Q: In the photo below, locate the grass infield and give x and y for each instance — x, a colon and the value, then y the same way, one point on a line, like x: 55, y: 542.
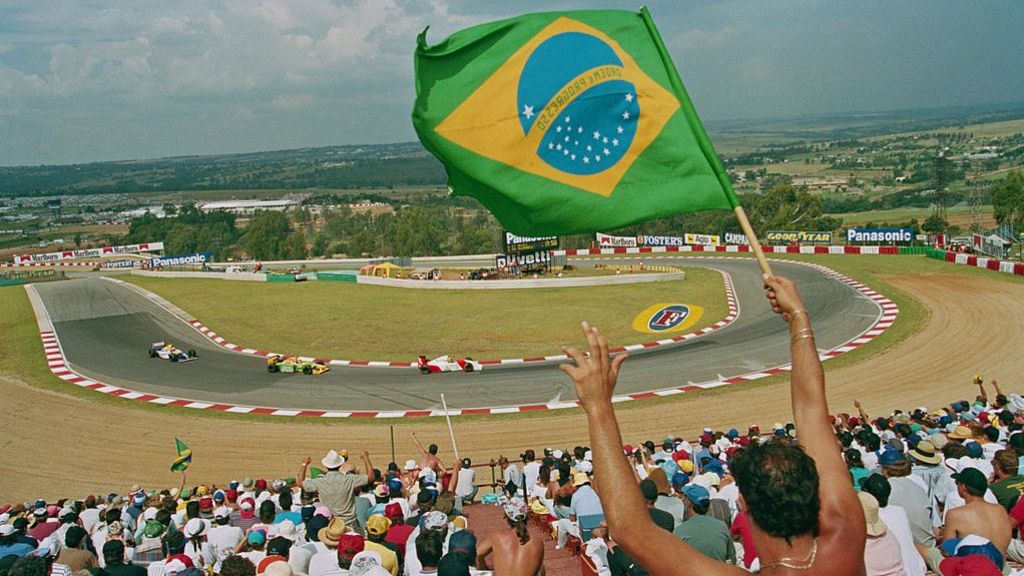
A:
x: 361, y: 322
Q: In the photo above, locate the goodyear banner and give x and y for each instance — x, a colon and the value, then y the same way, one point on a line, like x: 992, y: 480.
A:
x: 798, y: 237
x: 645, y: 240
x: 606, y: 241
x: 182, y: 260
x: 875, y: 235
x: 538, y: 258
x: 702, y: 239
x: 515, y: 244
x: 90, y: 253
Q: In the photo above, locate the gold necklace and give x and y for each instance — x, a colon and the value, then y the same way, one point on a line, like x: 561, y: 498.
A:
x: 803, y: 564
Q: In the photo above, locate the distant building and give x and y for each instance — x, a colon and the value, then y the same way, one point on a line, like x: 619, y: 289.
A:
x: 248, y: 206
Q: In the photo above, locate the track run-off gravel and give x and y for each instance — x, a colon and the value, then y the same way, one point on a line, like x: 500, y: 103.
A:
x: 57, y: 445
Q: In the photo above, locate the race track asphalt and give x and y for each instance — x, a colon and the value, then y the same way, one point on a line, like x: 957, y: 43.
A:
x: 105, y: 330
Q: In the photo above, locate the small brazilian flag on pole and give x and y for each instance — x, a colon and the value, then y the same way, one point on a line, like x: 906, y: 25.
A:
x: 184, y: 457
x: 566, y: 122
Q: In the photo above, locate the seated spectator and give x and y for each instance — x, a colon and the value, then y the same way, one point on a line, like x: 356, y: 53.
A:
x: 115, y: 565
x: 515, y: 552
x: 429, y: 549
x: 909, y: 495
x: 224, y: 538
x: 326, y: 561
x: 707, y: 535
x: 897, y: 523
x: 802, y: 505
x: 585, y: 502
x: 73, y: 554
x: 376, y: 529
x: 465, y: 487
x: 237, y: 566
x: 882, y: 556
x: 975, y: 518
x: 1008, y: 483
x: 9, y: 544
x: 399, y: 531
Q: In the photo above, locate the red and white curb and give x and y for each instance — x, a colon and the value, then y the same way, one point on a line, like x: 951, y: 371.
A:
x: 1015, y: 268
x: 731, y: 316
x: 56, y: 361
x: 51, y: 265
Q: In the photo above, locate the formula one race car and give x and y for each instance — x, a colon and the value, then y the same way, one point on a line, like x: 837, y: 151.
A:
x: 169, y: 352
x: 291, y: 364
x: 445, y: 364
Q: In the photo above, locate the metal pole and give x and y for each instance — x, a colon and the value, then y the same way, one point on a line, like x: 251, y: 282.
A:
x: 393, y: 443
x: 450, y: 431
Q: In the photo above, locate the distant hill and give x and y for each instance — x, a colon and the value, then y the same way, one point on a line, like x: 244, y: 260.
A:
x: 408, y: 164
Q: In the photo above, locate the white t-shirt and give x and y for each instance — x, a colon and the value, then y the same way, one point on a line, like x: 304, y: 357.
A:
x: 464, y: 486
x: 530, y: 472
x: 299, y: 557
x: 90, y: 517
x: 324, y: 563
x: 895, y: 518
x: 224, y: 539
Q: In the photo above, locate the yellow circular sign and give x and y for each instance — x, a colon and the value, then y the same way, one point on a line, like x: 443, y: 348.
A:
x: 667, y: 317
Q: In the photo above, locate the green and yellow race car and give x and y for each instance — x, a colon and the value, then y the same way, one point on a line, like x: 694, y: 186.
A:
x: 291, y: 364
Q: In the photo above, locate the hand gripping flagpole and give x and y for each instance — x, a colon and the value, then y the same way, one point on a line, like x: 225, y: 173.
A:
x: 703, y: 141
x: 450, y: 431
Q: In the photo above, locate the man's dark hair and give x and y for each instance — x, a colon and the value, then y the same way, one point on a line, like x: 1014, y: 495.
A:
x: 192, y: 509
x: 174, y: 543
x: 169, y: 504
x: 872, y: 442
x: 163, y: 517
x: 779, y: 483
x: 73, y: 537
x: 268, y: 510
x: 992, y: 433
x: 432, y: 449
x: 429, y: 548
x: 9, y: 540
x: 879, y: 487
x: 112, y: 515
x: 954, y: 450
x: 454, y: 564
x: 285, y: 500
x: 113, y: 552
x: 237, y: 566
x: 30, y: 566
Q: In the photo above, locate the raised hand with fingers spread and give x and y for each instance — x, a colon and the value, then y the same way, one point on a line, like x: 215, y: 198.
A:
x: 595, y: 373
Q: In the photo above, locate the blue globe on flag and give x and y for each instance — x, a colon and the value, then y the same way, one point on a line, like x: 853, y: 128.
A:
x: 569, y: 88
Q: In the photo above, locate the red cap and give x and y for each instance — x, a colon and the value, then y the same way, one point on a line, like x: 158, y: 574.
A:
x: 393, y: 510
x: 261, y: 484
x: 184, y: 560
x: 706, y: 439
x: 628, y: 448
x: 262, y: 567
x: 744, y: 440
x: 206, y: 504
x: 680, y: 455
x: 349, y: 545
x: 231, y: 494
x: 853, y: 422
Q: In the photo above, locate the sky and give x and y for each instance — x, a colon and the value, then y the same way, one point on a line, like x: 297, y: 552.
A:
x: 95, y: 80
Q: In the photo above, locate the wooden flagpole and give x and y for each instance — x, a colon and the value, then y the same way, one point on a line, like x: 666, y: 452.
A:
x: 741, y: 215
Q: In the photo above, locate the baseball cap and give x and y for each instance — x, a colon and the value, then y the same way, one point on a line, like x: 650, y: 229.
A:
x: 649, y: 489
x: 257, y: 537
x: 974, y: 450
x: 222, y: 512
x: 697, y: 494
x: 279, y: 545
x: 393, y: 510
x: 973, y: 479
x: 377, y: 525
x: 973, y: 565
x: 350, y: 544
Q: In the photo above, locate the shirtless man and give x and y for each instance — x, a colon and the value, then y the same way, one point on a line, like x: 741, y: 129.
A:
x: 803, y: 511
x: 428, y: 458
x: 977, y: 517
x: 515, y: 553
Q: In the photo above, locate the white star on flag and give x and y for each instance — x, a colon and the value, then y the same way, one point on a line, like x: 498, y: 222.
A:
x: 551, y: 145
x: 607, y: 152
x: 625, y: 115
x: 572, y: 156
x: 528, y: 111
x: 566, y: 119
x: 596, y: 135
x: 589, y: 148
x: 604, y: 140
x: 558, y: 147
x: 619, y: 129
x: 575, y: 142
x: 580, y: 130
x: 586, y: 160
x: 558, y: 128
x: 597, y: 158
x: 629, y: 97
x: 565, y: 151
x: 615, y: 142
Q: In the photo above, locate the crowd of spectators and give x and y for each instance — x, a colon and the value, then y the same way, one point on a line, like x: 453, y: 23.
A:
x: 929, y: 489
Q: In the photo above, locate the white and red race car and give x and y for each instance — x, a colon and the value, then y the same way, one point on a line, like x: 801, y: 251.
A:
x: 446, y: 364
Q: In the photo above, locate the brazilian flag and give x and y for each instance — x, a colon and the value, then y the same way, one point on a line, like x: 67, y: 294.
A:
x: 184, y: 457
x: 566, y: 122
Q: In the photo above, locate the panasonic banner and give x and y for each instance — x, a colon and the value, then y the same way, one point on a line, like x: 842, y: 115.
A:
x: 877, y: 235
x: 182, y: 260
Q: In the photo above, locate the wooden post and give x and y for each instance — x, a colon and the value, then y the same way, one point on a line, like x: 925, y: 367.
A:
x: 754, y: 244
